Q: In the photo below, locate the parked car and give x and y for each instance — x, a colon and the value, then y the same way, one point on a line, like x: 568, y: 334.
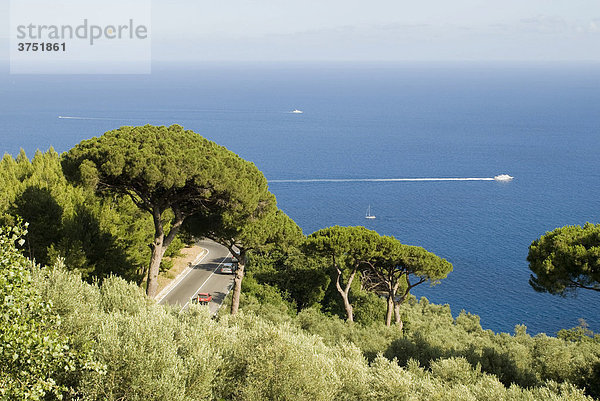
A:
x: 227, y: 268
x: 202, y: 298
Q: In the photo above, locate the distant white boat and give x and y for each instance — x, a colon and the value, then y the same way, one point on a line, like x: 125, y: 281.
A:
x: 369, y: 215
x: 503, y: 177
x: 296, y: 111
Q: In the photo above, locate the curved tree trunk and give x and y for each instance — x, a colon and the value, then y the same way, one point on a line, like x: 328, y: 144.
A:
x: 344, y: 292
x: 348, y: 307
x: 159, y: 246
x: 237, y: 284
x: 157, y: 254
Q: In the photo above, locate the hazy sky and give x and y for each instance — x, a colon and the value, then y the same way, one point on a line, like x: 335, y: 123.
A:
x: 374, y: 30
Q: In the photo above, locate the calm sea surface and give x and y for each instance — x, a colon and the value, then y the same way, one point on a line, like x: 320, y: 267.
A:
x: 539, y: 124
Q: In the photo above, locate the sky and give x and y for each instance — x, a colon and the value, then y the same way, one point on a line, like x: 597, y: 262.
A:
x: 370, y: 31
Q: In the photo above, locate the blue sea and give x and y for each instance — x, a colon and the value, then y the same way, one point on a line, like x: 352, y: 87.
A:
x: 538, y: 123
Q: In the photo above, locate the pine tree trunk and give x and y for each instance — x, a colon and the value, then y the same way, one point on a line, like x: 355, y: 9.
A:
x: 160, y: 245
x: 390, y: 310
x: 154, y: 269
x: 237, y: 284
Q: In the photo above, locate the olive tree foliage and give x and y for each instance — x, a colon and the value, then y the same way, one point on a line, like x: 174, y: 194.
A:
x: 153, y: 352
x: 395, y: 269
x: 566, y: 259
x: 170, y: 173
x: 240, y: 232
x: 348, y: 249
x: 36, y: 362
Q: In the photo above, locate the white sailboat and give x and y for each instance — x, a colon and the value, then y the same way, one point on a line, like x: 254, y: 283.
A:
x: 369, y: 215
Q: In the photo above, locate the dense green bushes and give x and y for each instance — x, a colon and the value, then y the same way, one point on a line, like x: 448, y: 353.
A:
x: 430, y: 332
x: 36, y: 360
x: 137, y: 350
x: 155, y: 353
x: 520, y: 359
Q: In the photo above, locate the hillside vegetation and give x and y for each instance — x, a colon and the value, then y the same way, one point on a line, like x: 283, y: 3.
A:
x: 144, y: 351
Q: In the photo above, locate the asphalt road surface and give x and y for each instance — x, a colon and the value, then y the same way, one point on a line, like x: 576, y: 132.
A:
x: 206, y: 276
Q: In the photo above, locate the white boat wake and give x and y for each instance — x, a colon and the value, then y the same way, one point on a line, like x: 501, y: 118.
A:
x: 296, y: 111
x: 92, y: 118
x: 383, y: 180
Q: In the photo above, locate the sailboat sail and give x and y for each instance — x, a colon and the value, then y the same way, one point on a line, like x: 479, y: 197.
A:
x: 369, y: 215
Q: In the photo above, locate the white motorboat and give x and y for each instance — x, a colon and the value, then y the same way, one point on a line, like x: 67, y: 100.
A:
x: 503, y: 177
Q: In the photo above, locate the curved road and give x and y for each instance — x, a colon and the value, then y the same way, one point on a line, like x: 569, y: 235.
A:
x: 205, y: 276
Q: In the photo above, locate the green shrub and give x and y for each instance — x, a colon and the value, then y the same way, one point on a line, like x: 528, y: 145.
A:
x: 36, y: 361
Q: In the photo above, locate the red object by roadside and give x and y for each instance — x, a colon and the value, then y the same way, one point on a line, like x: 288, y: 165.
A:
x: 203, y: 298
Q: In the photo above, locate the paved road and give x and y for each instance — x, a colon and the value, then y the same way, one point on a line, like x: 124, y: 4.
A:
x: 206, y: 276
